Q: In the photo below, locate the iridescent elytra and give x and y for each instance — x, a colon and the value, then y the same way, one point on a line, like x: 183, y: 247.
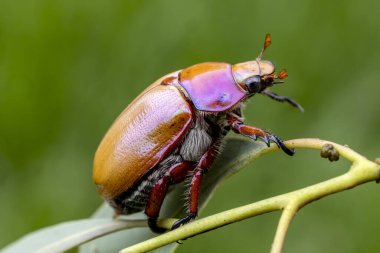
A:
x: 174, y: 129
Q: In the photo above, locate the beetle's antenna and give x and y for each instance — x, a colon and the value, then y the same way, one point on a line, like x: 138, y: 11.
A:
x: 279, y: 98
x: 283, y: 74
x: 267, y: 42
x: 278, y: 78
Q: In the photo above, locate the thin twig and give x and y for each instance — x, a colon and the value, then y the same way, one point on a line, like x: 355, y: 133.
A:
x: 283, y: 226
x: 361, y: 171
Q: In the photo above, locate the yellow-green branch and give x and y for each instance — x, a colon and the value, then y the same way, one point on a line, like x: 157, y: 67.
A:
x: 361, y: 171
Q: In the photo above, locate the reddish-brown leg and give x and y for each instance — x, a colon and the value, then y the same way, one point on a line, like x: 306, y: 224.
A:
x: 254, y: 133
x: 175, y: 174
x: 204, y: 164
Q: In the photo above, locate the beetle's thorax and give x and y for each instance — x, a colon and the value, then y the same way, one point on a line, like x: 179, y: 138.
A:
x: 211, y: 87
x: 218, y: 86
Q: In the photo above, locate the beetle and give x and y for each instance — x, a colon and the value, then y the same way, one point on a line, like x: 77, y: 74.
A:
x: 174, y: 129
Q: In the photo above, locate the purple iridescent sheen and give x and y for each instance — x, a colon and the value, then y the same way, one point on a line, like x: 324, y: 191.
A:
x: 211, y: 86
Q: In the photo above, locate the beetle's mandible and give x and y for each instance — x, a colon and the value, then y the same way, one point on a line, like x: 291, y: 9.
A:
x: 174, y: 130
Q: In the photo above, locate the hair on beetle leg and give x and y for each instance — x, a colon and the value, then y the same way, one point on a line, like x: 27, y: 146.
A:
x: 186, y: 192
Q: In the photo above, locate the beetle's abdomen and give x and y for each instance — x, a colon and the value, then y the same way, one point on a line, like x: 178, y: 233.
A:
x: 211, y: 86
x: 139, y: 138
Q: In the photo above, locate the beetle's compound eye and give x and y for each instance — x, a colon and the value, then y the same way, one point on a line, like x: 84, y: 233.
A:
x: 253, y: 84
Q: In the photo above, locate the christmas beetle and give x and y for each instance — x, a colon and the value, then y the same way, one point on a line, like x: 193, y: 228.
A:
x: 174, y: 130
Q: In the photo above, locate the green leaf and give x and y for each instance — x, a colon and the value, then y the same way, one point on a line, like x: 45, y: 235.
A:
x: 67, y: 235
x: 116, y: 241
x: 61, y: 237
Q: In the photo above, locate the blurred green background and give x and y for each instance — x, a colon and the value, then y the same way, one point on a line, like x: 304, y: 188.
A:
x: 68, y: 68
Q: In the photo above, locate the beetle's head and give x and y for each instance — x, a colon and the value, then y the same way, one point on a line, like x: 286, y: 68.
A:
x: 255, y: 76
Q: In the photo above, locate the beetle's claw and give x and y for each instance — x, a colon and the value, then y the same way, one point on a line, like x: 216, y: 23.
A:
x: 266, y: 139
x: 184, y: 220
x: 281, y: 145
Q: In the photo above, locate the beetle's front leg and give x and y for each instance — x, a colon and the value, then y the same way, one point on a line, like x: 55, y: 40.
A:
x: 195, y: 185
x: 254, y: 133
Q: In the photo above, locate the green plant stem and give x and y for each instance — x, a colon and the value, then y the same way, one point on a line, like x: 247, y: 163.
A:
x: 361, y: 171
x: 286, y: 218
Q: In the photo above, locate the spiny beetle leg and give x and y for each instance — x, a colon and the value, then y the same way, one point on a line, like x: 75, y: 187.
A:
x: 195, y: 185
x: 254, y: 133
x: 175, y: 174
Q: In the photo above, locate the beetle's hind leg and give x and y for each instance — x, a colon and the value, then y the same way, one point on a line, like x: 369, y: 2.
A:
x: 175, y: 174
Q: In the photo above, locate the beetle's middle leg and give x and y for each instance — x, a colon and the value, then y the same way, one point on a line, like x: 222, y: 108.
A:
x: 175, y: 174
x: 254, y: 133
x: 195, y: 185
